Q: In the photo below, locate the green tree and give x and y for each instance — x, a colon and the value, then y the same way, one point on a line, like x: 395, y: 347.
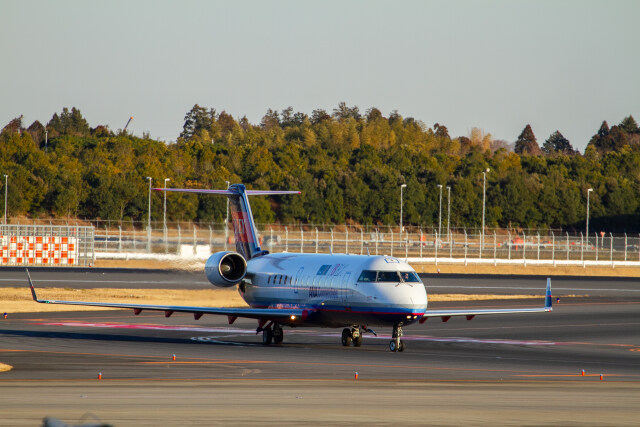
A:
x: 527, y: 143
x: 557, y: 143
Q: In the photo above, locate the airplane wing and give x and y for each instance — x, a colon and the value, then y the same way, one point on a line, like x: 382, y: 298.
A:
x: 287, y: 315
x: 470, y: 314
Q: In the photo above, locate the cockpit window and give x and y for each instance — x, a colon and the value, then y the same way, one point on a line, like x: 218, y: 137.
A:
x: 388, y: 276
x: 367, y: 276
x: 409, y: 276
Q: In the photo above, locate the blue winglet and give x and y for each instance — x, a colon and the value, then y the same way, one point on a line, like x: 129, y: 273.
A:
x: 547, y: 298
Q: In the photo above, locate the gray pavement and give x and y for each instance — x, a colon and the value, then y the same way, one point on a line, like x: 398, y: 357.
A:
x: 505, y: 370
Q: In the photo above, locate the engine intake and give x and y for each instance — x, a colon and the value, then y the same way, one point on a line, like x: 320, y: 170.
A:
x: 225, y: 269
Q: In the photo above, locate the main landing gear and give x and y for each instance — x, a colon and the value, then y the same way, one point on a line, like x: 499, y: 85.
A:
x: 396, y: 344
x: 352, y: 335
x: 273, y: 334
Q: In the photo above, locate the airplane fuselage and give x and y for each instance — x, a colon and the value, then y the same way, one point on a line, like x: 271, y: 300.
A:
x: 337, y: 290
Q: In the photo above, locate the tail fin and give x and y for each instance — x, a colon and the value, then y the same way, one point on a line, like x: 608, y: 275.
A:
x: 243, y: 225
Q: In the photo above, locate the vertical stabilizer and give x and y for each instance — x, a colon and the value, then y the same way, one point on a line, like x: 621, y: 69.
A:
x: 243, y: 225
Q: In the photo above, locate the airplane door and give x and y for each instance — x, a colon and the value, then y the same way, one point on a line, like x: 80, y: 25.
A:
x: 296, y: 285
x: 345, y: 288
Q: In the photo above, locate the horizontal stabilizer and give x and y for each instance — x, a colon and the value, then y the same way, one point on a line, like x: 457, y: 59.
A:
x: 228, y: 192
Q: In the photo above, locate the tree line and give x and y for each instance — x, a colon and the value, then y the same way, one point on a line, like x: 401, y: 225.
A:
x: 348, y: 165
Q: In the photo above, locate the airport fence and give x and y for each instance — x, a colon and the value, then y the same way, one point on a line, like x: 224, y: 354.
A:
x: 46, y: 245
x: 189, y: 239
x: 198, y: 240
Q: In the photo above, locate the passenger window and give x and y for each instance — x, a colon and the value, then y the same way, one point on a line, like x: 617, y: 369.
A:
x: 367, y: 276
x: 388, y: 276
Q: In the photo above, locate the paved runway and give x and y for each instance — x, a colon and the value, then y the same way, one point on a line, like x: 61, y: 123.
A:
x: 522, y: 369
x: 438, y: 283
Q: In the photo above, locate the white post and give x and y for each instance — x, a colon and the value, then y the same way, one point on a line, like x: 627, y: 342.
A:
x: 316, y: 239
x: 226, y: 224
x: 436, y: 244
x: 449, y: 214
x: 149, y: 218
x: 301, y: 240
x: 346, y: 240
x: 587, y: 232
x: 495, y: 246
x: 611, y: 248
x: 332, y: 240
x: 440, y: 213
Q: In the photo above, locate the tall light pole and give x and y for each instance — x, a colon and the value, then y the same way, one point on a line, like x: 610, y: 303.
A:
x: 484, y: 192
x: 149, y: 219
x: 401, y: 188
x: 440, y: 213
x: 6, y: 177
x: 587, y: 232
x: 448, y: 213
x: 46, y: 139
x: 226, y: 223
x: 149, y: 210
x: 164, y: 210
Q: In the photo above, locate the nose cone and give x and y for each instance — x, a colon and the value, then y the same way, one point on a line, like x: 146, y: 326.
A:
x: 418, y: 297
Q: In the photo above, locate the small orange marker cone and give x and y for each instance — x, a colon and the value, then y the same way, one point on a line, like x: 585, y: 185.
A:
x: 601, y: 377
x: 583, y: 372
x: 99, y: 375
x: 356, y: 376
x: 174, y: 357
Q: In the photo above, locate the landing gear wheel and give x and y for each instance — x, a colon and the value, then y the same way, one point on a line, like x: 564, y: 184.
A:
x: 396, y: 344
x: 346, y: 337
x: 357, y: 341
x: 267, y: 337
x: 278, y: 334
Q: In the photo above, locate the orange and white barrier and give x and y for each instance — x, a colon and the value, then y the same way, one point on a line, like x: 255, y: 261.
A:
x: 38, y: 250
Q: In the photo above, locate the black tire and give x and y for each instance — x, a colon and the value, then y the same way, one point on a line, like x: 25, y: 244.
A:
x: 401, y: 346
x: 267, y: 337
x: 346, y: 337
x: 357, y: 342
x: 392, y: 345
x: 278, y: 336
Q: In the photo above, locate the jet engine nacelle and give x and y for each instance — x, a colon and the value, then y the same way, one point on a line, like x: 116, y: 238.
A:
x: 225, y: 269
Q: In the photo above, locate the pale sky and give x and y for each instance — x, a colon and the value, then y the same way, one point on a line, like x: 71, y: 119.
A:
x: 496, y: 65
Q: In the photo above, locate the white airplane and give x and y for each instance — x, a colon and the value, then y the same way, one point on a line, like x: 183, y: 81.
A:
x: 297, y: 290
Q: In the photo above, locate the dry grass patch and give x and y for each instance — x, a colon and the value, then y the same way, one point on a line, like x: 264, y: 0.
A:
x: 18, y: 300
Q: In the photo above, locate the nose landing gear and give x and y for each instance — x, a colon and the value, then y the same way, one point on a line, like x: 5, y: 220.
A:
x: 396, y: 344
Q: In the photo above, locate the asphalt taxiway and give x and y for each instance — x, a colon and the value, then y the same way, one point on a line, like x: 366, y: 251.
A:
x: 505, y: 369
